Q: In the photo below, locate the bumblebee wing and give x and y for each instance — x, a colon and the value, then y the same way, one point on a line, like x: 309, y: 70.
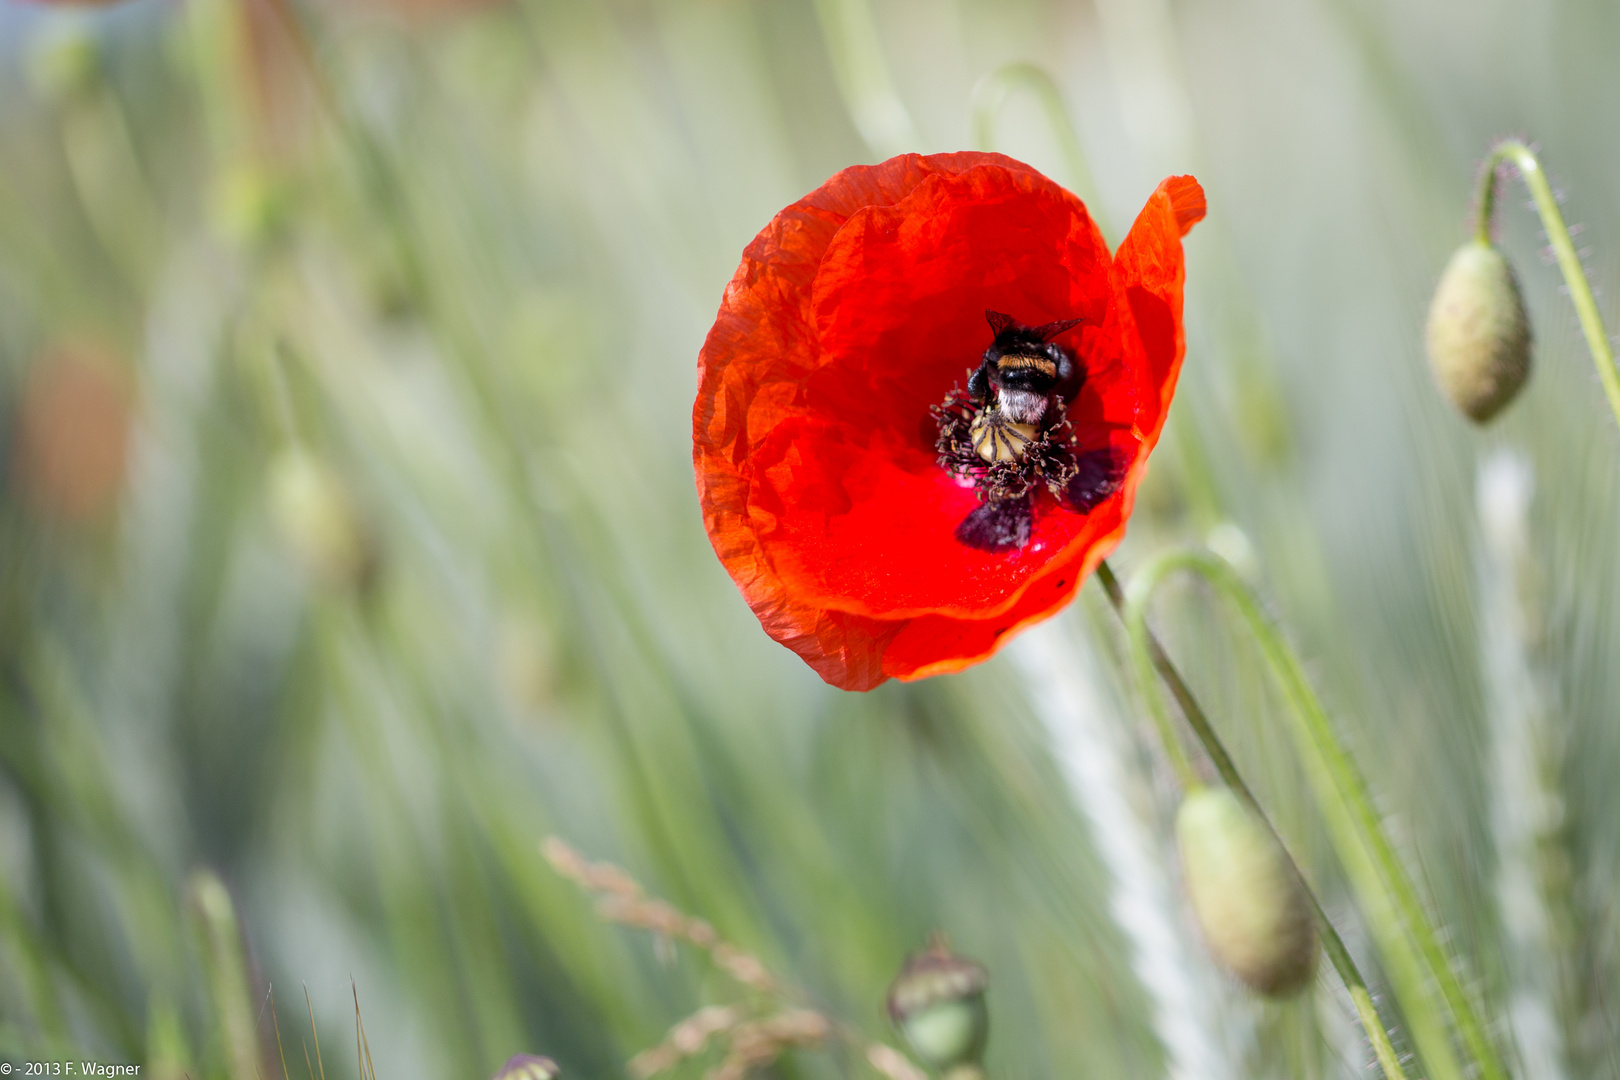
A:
x: 999, y: 323
x: 1051, y: 330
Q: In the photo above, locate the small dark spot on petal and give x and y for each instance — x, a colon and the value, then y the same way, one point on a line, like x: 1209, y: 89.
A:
x: 1062, y: 582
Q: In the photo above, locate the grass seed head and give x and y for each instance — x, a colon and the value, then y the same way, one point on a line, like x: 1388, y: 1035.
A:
x: 528, y: 1067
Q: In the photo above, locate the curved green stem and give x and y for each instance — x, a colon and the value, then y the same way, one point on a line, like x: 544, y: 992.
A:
x: 863, y: 76
x: 993, y: 90
x: 1388, y: 896
x: 1148, y: 653
x: 1145, y: 661
x: 1563, y: 246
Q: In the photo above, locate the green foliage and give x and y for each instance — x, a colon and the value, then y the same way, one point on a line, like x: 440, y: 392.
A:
x: 436, y: 302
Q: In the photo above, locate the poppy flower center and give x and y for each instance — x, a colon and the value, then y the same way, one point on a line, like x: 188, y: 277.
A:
x: 1008, y: 435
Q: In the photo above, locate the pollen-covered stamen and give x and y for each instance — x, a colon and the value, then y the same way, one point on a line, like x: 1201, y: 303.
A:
x: 996, y: 437
x: 1003, y: 459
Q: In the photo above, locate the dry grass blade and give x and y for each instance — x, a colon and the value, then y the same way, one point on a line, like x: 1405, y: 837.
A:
x: 275, y: 1022
x: 621, y: 900
x: 751, y: 1043
x: 892, y: 1063
x: 315, y: 1034
x: 368, y: 1071
x: 686, y: 1039
x: 760, y: 1042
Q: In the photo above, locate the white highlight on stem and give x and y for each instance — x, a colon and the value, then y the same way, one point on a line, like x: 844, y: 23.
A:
x: 1140, y: 39
x: 863, y: 77
x: 1526, y: 810
x: 1091, y: 743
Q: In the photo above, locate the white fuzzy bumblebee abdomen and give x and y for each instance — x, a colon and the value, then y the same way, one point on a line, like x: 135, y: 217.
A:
x: 1022, y: 406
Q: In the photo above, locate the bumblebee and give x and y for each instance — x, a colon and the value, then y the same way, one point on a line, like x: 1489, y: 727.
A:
x: 1009, y: 434
x: 1023, y: 372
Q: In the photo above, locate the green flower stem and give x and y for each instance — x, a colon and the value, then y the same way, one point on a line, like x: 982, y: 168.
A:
x: 1386, y: 891
x: 225, y: 956
x: 1146, y: 661
x: 863, y: 77
x: 1563, y: 246
x: 1149, y: 654
x: 993, y: 90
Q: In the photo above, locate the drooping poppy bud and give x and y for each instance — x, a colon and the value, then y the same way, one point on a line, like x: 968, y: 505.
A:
x: 1250, y: 904
x: 252, y: 206
x: 926, y: 406
x: 937, y: 1002
x: 312, y: 509
x: 65, y: 63
x: 528, y: 1067
x: 1479, y: 334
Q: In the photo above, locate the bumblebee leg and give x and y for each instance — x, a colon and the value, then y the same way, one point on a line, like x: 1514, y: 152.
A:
x: 1101, y: 473
x: 1070, y: 376
x: 978, y: 386
x: 998, y: 525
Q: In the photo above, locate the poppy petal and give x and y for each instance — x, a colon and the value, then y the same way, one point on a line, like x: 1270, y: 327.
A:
x: 855, y: 310
x: 899, y: 307
x: 1149, y: 270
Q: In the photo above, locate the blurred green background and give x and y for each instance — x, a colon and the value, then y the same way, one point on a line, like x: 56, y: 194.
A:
x: 348, y: 543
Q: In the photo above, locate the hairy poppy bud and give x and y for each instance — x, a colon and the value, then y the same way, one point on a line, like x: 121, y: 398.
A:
x: 1479, y: 334
x: 937, y: 1002
x: 528, y: 1067
x: 313, y: 511
x: 251, y: 206
x: 1253, y: 910
x: 65, y: 64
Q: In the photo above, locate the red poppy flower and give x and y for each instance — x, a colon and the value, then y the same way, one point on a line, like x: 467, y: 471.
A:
x: 926, y: 405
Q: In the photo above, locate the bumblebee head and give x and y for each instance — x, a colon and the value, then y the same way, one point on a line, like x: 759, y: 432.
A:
x: 1024, y: 371
x: 1024, y: 364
